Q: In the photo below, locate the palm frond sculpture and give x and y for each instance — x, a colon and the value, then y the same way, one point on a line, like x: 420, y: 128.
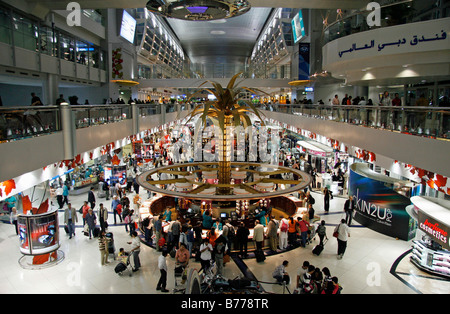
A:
x: 226, y: 110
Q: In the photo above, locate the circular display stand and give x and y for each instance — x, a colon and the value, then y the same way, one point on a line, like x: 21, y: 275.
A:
x: 26, y: 261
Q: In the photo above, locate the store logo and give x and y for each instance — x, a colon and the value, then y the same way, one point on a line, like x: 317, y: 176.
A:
x: 263, y: 144
x: 378, y: 213
x: 374, y: 17
x: 74, y: 17
x: 434, y: 230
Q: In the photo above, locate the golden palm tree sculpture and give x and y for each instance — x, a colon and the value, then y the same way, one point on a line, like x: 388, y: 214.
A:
x: 228, y: 109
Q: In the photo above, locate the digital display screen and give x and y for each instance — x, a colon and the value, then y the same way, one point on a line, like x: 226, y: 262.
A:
x: 298, y: 28
x: 128, y: 27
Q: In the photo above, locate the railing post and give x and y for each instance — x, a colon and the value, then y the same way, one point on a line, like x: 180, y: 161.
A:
x: 68, y: 129
x: 135, y: 117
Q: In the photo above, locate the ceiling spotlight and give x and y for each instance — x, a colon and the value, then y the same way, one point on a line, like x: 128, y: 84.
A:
x: 198, y: 10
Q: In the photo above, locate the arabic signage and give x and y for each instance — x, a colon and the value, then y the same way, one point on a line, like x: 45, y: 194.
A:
x: 380, y: 208
x: 401, y: 41
x: 414, y: 37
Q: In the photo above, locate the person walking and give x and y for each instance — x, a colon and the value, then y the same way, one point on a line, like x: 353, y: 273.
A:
x: 283, y: 234
x: 65, y: 194
x: 242, y: 238
x: 70, y: 218
x: 13, y: 219
x: 91, y: 197
x: 103, y: 217
x: 114, y: 203
x: 91, y: 221
x: 205, y: 254
x: 272, y: 233
x: 349, y: 208
x: 84, y: 211
x: 162, y: 265
x: 219, y: 251
x: 327, y: 196
x: 135, y: 250
x: 59, y: 196
x: 321, y: 232
x: 157, y: 225
x: 304, y: 227
x: 176, y: 232
x: 342, y: 236
x: 103, y: 247
x: 258, y: 235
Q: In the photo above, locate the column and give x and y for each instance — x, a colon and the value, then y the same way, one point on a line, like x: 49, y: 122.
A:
x: 69, y: 132
x: 135, y: 117
x: 51, y: 89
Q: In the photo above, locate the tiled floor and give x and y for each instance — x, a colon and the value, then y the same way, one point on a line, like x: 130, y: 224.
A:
x: 365, y: 268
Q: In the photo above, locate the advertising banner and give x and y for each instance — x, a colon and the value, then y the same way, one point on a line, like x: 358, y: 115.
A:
x: 380, y: 208
x: 39, y: 234
x: 436, y: 230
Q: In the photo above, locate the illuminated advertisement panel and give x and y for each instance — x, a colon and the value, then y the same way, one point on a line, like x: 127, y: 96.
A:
x: 438, y: 231
x: 380, y: 208
x: 38, y: 234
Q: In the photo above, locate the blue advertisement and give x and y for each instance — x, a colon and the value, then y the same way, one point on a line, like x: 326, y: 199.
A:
x: 380, y: 208
x: 303, y: 62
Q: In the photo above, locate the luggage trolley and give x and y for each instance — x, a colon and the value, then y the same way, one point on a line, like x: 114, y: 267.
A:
x: 180, y: 275
x: 124, y: 265
x: 311, y: 234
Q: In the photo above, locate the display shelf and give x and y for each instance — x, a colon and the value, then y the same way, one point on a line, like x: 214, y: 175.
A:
x: 431, y: 260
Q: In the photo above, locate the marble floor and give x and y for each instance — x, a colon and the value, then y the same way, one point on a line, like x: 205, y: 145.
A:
x: 367, y: 267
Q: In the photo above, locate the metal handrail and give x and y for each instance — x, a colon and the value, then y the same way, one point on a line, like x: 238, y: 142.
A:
x: 23, y: 122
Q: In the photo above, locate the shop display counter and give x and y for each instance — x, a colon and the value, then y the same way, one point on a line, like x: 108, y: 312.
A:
x: 83, y: 186
x: 431, y: 258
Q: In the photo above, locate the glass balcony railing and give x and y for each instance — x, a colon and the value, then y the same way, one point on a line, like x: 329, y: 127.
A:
x: 24, y: 122
x: 86, y: 116
x: 423, y: 121
x: 397, y: 13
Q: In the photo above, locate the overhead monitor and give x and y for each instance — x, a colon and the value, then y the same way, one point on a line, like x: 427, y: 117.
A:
x: 128, y: 27
x: 298, y: 27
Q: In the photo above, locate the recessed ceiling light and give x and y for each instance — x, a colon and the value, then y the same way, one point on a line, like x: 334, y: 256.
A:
x: 218, y: 21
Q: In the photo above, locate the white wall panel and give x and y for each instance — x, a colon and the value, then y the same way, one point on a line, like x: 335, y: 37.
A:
x: 27, y: 155
x: 26, y: 59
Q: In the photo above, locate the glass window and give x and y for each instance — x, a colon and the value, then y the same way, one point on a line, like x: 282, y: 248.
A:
x: 82, y: 49
x: 25, y: 33
x: 48, y: 41
x: 67, y: 48
x: 5, y: 26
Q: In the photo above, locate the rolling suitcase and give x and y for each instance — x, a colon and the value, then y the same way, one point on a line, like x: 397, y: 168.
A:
x: 317, y: 249
x: 96, y: 232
